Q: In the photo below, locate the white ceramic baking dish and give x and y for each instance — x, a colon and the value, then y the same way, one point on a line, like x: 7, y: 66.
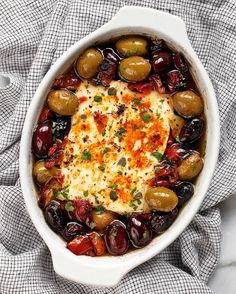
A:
x: 108, y: 270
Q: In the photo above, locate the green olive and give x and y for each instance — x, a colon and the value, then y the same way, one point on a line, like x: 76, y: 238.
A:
x: 190, y: 167
x: 132, y: 46
x: 176, y: 124
x: 88, y: 63
x: 41, y: 173
x: 161, y: 199
x: 188, y: 103
x: 134, y: 69
x: 102, y: 220
x: 63, y: 102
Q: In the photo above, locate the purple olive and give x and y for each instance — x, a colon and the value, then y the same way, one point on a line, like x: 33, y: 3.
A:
x: 192, y: 130
x: 161, y: 221
x: 42, y: 139
x: 161, y: 60
x: 180, y: 62
x: 116, y: 238
x: 62, y: 126
x: 139, y: 232
x: 175, y: 81
x: 71, y: 230
x: 184, y: 191
x: 55, y: 216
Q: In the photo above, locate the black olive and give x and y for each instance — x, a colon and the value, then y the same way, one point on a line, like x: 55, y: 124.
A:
x: 161, y: 221
x: 184, y: 191
x: 62, y: 125
x: 55, y: 216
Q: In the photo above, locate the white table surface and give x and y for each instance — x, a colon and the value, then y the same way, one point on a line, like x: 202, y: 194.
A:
x: 223, y: 280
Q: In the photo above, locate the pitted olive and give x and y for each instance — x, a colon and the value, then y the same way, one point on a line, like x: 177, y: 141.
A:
x: 190, y: 167
x: 132, y: 46
x: 161, y: 199
x: 188, y: 103
x: 63, y: 102
x: 43, y: 174
x: 102, y: 220
x: 88, y: 63
x: 134, y: 69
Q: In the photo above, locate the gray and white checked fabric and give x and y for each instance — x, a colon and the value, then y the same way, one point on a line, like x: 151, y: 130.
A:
x: 33, y: 34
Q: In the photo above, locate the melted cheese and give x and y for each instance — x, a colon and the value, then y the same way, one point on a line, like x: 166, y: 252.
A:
x: 114, y: 143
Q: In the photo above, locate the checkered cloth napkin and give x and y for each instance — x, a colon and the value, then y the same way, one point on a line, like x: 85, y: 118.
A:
x: 33, y: 34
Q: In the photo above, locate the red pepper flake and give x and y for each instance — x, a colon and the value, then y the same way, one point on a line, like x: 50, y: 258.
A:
x: 82, y: 99
x: 101, y: 121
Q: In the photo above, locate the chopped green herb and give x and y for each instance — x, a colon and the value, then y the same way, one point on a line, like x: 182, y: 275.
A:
x: 137, y: 196
x: 104, y: 132
x: 114, y: 186
x: 92, y: 225
x: 54, y: 132
x: 83, y: 116
x: 112, y: 91
x: 177, y: 139
x: 69, y: 206
x: 100, y: 209
x: 127, y: 53
x: 120, y: 172
x: 139, y: 201
x: 158, y: 169
x: 113, y: 195
x: 162, y: 100
x: 120, y: 132
x: 122, y: 161
x: 145, y: 234
x: 132, y: 204
x: 123, y: 67
x: 146, y: 117
x: 97, y: 98
x: 157, y: 155
x: 65, y: 191
x: 158, y: 115
x: 55, y: 193
x: 114, y: 233
x: 96, y: 199
x: 102, y: 168
x: 86, y: 155
x: 135, y: 127
x: 105, y: 151
x: 85, y: 193
x: 133, y: 190
x: 137, y: 102
x: 135, y: 50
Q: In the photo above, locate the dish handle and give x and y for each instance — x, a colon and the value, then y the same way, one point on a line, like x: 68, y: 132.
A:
x: 167, y: 24
x: 87, y: 270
